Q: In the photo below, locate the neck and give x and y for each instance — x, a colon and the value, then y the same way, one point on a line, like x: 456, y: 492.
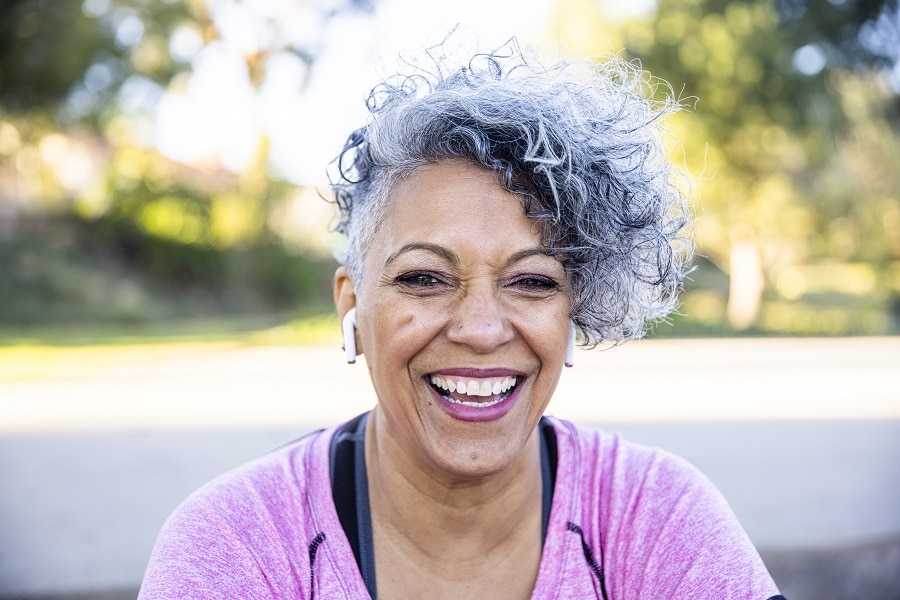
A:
x: 453, y: 522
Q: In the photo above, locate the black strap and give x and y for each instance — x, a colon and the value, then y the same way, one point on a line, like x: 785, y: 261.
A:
x: 549, y: 459
x: 350, y: 489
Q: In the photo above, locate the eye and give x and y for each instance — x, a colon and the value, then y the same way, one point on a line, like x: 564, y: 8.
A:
x: 419, y: 280
x: 534, y: 284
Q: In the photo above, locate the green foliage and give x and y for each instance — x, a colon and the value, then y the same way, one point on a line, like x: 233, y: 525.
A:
x: 94, y: 226
x: 793, y: 132
x: 52, y: 50
x: 849, y: 32
x: 37, y: 65
x: 782, y: 95
x: 75, y: 271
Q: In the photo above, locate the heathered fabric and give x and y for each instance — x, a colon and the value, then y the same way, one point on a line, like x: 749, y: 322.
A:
x: 638, y: 521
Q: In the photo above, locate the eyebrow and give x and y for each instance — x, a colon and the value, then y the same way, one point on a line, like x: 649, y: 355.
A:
x: 451, y: 256
x: 523, y: 254
x: 434, y: 248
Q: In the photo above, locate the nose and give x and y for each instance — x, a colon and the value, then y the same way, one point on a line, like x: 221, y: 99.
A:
x: 479, y: 321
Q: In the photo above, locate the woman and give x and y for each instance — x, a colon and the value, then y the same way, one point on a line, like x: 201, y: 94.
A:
x: 490, y: 211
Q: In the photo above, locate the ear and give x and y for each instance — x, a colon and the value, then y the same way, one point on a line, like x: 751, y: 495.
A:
x: 345, y: 297
x: 344, y: 294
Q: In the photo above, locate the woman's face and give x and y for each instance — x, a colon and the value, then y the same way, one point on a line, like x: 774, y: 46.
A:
x: 463, y: 319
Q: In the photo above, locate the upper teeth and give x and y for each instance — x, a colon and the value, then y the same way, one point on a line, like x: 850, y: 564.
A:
x: 475, y: 387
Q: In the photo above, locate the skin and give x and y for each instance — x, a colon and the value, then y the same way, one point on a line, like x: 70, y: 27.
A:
x: 456, y: 278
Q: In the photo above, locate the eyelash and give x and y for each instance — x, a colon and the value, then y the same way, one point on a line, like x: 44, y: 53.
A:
x: 428, y: 280
x: 419, y: 279
x: 534, y: 283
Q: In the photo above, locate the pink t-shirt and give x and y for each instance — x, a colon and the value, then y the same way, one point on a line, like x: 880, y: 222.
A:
x: 627, y: 523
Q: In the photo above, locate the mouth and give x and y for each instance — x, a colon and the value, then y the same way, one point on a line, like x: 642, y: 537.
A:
x: 474, y: 392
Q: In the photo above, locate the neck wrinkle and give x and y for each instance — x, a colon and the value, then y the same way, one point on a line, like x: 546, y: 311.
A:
x: 434, y: 517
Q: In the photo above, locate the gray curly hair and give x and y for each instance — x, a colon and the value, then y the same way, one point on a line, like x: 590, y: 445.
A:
x: 578, y: 142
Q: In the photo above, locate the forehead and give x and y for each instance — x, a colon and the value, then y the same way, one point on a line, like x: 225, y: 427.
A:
x: 456, y: 200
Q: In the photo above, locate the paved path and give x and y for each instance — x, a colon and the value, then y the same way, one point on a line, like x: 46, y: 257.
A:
x: 226, y: 385
x: 802, y: 436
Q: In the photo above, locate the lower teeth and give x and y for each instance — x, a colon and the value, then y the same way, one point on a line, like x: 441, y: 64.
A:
x: 476, y: 404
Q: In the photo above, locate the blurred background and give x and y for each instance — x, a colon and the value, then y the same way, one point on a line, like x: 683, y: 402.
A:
x: 163, y: 160
x: 166, y: 262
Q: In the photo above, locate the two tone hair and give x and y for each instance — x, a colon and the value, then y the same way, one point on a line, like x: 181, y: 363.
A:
x: 580, y: 142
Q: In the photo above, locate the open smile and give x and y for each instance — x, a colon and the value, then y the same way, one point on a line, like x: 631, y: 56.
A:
x: 476, y: 395
x: 475, y: 392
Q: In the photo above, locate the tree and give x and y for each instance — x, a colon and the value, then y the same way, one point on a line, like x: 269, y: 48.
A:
x: 79, y: 173
x: 775, y: 83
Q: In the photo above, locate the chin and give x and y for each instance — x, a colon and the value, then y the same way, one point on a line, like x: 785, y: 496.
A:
x: 483, y: 453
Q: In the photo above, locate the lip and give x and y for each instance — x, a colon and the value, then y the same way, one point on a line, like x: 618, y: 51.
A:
x: 473, y: 414
x: 476, y: 372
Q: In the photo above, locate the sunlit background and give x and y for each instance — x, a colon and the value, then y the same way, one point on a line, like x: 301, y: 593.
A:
x: 166, y: 160
x: 166, y: 261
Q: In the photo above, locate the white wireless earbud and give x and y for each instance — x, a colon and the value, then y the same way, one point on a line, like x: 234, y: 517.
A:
x: 348, y: 325
x: 570, y: 346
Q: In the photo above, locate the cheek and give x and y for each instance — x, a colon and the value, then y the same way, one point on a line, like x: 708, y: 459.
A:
x: 546, y: 327
x: 401, y: 328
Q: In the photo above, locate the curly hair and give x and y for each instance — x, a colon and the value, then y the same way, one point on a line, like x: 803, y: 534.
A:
x: 579, y: 142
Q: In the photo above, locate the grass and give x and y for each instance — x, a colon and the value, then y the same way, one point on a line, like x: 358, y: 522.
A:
x: 27, y: 354
x: 314, y: 327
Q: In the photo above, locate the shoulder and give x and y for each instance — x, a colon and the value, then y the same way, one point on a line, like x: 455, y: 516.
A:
x: 621, y: 483
x: 660, y: 525
x: 273, y: 483
x: 243, y: 531
x: 607, y: 461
